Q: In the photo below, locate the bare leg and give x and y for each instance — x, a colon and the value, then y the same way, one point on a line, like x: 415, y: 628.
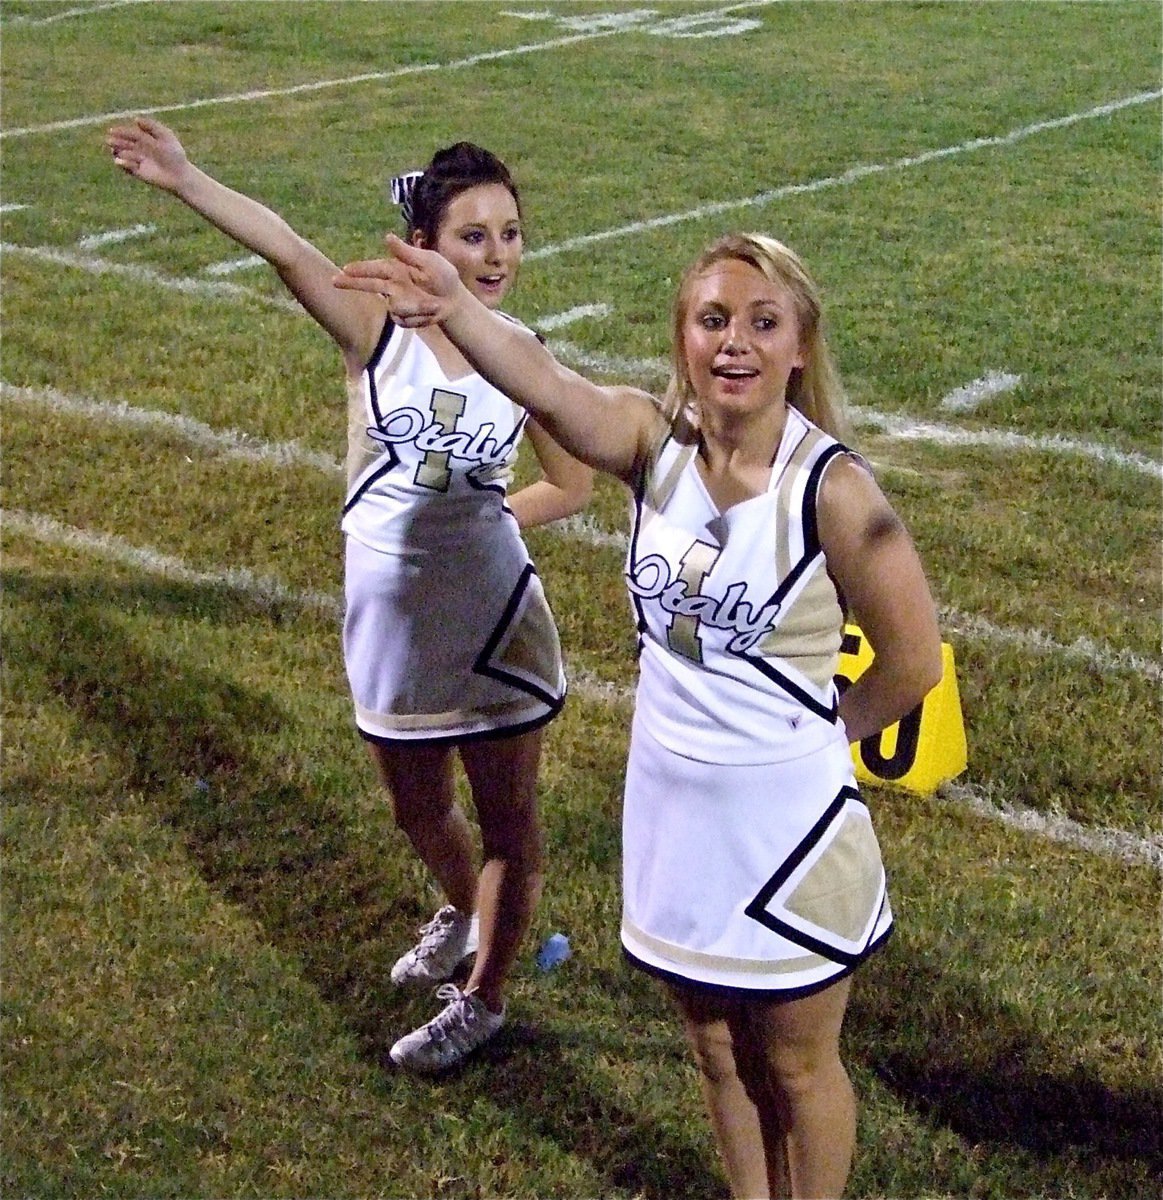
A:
x: 503, y: 775
x: 731, y: 1105
x: 780, y: 1102
x: 799, y: 1040
x: 420, y: 781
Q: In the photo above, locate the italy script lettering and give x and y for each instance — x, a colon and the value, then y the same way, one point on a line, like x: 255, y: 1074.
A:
x: 651, y: 579
x: 480, y: 446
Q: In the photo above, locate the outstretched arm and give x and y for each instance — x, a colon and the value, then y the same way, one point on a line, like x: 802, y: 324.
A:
x: 610, y: 428
x: 872, y: 559
x: 151, y: 152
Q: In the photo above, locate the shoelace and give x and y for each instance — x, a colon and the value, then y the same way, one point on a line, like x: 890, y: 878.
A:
x: 456, y: 1017
x: 430, y: 936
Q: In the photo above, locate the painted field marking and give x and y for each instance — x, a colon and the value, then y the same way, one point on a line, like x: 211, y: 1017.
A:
x: 319, y: 85
x: 580, y: 313
x: 298, y: 89
x: 609, y: 364
x: 9, y: 208
x: 618, y: 21
x: 1057, y: 827
x: 645, y: 20
x: 1035, y: 641
x: 230, y: 443
x: 264, y: 589
x: 582, y: 527
x: 96, y: 265
x: 555, y: 43
x: 268, y: 591
x: 905, y: 429
x: 111, y: 237
x: 230, y: 265
x: 971, y: 396
x: 702, y: 25
x: 28, y: 21
x: 852, y: 175
x: 891, y: 425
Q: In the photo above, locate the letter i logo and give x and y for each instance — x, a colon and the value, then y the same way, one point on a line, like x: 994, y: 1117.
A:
x: 432, y: 471
x: 694, y: 566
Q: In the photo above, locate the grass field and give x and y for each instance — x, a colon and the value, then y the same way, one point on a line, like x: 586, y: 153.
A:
x: 202, y: 889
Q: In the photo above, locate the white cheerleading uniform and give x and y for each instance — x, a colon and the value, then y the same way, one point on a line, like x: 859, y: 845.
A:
x: 447, y: 632
x: 749, y: 859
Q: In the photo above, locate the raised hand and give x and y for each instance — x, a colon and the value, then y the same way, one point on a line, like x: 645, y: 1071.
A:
x: 149, y: 151
x: 420, y: 286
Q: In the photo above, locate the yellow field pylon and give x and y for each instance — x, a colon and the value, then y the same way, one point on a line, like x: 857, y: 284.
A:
x: 925, y: 748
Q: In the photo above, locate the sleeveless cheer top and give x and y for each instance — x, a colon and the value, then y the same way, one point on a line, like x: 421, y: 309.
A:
x: 739, y: 622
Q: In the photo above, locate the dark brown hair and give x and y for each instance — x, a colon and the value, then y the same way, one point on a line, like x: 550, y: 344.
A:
x: 453, y: 170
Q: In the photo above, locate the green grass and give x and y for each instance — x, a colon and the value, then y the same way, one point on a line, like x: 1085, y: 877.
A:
x: 203, y: 891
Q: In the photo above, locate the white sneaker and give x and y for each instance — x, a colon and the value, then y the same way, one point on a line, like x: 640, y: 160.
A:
x: 455, y: 1032
x: 447, y: 939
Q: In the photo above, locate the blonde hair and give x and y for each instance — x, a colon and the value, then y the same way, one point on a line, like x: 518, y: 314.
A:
x: 815, y: 390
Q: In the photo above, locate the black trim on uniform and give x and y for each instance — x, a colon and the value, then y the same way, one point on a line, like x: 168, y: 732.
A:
x: 378, y: 473
x: 632, y: 555
x: 385, y: 337
x: 757, y: 909
x: 742, y: 992
x: 812, y: 545
x: 812, y: 551
x: 370, y: 366
x: 369, y: 370
x: 828, y: 712
x: 482, y: 666
x: 456, y: 739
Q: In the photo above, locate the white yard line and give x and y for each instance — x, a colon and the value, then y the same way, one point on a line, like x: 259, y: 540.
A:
x: 1036, y: 641
x: 642, y: 369
x: 615, y: 27
x: 971, y: 396
x: 67, y: 14
x: 906, y: 429
x: 237, y: 444
x: 572, y: 315
x: 892, y: 425
x: 266, y: 590
x: 852, y: 175
x: 583, y: 528
x: 111, y: 237
x: 231, y: 443
x: 230, y: 265
x: 1055, y: 827
x: 174, y: 283
x: 317, y: 85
